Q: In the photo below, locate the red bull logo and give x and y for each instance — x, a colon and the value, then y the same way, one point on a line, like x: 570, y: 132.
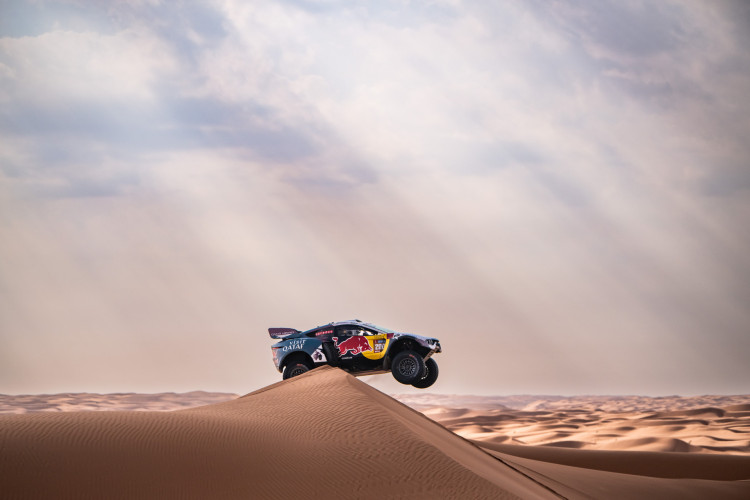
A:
x: 356, y: 344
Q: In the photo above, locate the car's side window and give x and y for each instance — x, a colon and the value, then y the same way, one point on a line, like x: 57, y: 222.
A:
x: 344, y: 330
x: 351, y: 330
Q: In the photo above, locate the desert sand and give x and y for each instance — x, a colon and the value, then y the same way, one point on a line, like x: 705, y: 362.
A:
x: 326, y: 434
x: 165, y: 401
x: 704, y: 430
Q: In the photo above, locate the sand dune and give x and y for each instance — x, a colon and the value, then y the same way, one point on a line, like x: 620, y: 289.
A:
x: 326, y: 434
x: 584, y: 483
x: 165, y: 401
x: 653, y: 464
x: 323, y: 434
x: 705, y: 430
x: 607, y: 404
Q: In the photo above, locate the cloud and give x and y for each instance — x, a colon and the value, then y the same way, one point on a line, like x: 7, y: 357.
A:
x: 91, y: 99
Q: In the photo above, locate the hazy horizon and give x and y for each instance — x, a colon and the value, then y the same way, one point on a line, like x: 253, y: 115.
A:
x: 557, y: 191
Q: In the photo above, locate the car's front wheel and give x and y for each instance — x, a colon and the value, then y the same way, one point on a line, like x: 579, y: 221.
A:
x: 407, y: 367
x: 430, y: 377
x: 295, y: 368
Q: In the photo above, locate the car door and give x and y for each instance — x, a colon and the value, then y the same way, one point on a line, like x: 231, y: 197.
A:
x: 330, y: 353
x: 379, y: 342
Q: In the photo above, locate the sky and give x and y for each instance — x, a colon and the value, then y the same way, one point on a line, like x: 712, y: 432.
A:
x: 557, y: 190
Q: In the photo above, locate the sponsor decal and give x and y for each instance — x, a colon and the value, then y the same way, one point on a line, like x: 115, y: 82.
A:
x: 280, y: 333
x: 293, y: 345
x: 318, y: 355
x: 356, y: 344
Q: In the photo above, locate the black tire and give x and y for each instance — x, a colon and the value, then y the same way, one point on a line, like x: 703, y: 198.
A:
x: 295, y: 368
x: 407, y: 367
x: 430, y: 377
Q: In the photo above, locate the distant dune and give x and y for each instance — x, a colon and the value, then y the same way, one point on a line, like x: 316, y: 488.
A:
x: 612, y: 404
x: 165, y: 401
x: 326, y: 434
x: 584, y: 425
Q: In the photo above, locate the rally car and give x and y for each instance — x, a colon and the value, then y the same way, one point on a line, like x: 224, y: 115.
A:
x: 358, y: 348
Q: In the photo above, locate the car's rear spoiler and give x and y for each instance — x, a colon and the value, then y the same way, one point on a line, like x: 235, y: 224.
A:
x: 281, y: 333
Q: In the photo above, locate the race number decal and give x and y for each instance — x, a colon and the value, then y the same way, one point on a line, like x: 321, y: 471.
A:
x: 379, y: 345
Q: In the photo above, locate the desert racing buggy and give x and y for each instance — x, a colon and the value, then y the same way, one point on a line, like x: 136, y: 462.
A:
x: 358, y: 348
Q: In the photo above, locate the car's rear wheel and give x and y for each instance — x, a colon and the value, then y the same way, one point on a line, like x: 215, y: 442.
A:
x: 430, y: 377
x: 295, y: 368
x: 407, y: 367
